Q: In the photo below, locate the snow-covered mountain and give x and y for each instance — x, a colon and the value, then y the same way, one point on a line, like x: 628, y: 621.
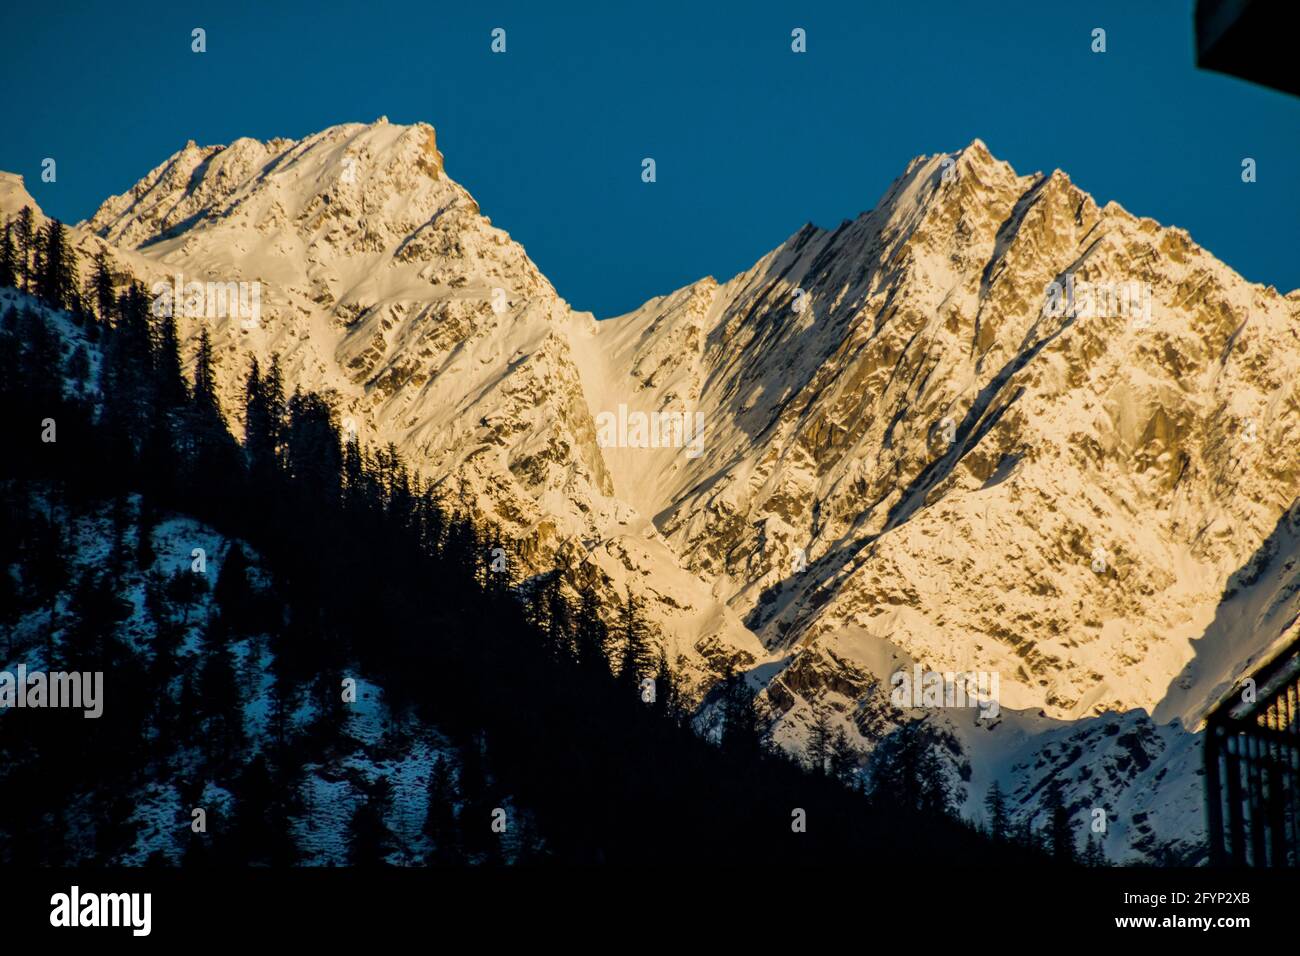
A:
x: 914, y: 451
x: 383, y: 285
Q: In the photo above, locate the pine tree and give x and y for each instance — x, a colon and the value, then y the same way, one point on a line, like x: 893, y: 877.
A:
x: 276, y: 409
x: 369, y: 840
x: 56, y: 280
x: 67, y: 276
x: 1026, y: 836
x: 844, y: 758
x: 183, y: 589
x: 205, y: 381
x: 46, y: 561
x: 312, y: 453
x: 41, y: 372
x: 8, y: 259
x: 557, y: 613
x: 995, y: 806
x: 907, y: 771
x: 477, y: 805
x: 78, y: 367
x: 37, y: 267
x: 219, y: 703
x: 635, y: 657
x: 197, y: 853
x: 233, y: 594
x: 51, y: 257
x: 440, y: 815
x: 1094, y: 854
x: 590, y: 634
x: 171, y: 389
x: 668, y: 692
x: 25, y: 239
x: 214, y: 458
x: 1060, y: 831
x: 102, y: 289
x: 264, y: 423
x: 146, y: 520
x: 261, y: 824
x: 742, y: 736
x: 128, y: 371
x: 819, y: 741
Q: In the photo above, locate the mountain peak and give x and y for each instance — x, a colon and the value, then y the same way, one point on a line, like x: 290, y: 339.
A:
x: 977, y: 157
x: 367, y: 172
x: 14, y: 195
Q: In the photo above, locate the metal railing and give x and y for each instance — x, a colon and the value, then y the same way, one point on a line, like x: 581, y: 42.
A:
x: 1252, y: 770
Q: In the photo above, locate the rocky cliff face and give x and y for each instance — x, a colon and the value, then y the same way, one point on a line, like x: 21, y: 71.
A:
x: 382, y: 282
x: 383, y: 285
x: 988, y: 426
x: 973, y: 480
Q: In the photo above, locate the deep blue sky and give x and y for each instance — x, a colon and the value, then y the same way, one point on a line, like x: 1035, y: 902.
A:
x: 750, y: 139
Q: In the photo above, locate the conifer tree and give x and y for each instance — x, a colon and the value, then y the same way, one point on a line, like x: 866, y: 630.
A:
x: 313, y: 456
x: 183, y: 589
x: 8, y: 259
x: 1026, y: 836
x: 205, y: 383
x: 56, y: 281
x: 1060, y: 831
x: 557, y: 613
x: 475, y: 821
x: 843, y: 758
x: 635, y: 657
x: 146, y: 520
x: 742, y: 736
x: 78, y: 367
x: 369, y: 840
x: 102, y: 289
x: 819, y: 741
x: 171, y: 388
x: 128, y: 370
x: 261, y: 828
x: 24, y: 242
x: 995, y: 806
x: 668, y: 694
x: 440, y: 814
x: 590, y: 634
x: 56, y: 278
x: 51, y: 258
x: 233, y: 594
x: 219, y: 702
x: 254, y: 411
x: 1094, y: 854
x: 906, y: 770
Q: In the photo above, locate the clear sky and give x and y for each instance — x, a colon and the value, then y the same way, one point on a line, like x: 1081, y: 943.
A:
x: 750, y: 139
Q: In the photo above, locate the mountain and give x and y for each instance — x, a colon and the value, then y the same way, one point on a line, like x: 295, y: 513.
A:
x: 289, y: 653
x: 974, y: 483
x: 988, y: 426
x: 383, y: 286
